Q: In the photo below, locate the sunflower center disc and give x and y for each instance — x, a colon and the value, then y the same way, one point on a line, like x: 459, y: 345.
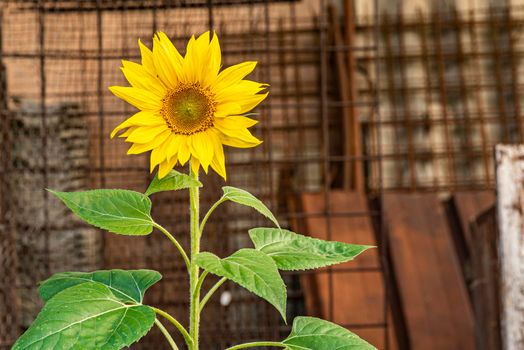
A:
x: 188, y: 109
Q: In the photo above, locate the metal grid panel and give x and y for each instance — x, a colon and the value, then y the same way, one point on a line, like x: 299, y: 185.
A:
x: 451, y: 91
x: 61, y: 57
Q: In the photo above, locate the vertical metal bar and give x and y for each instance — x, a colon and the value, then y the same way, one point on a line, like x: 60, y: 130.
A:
x: 267, y: 44
x: 495, y: 37
x: 344, y: 94
x: 154, y: 19
x: 461, y: 62
x: 301, y: 135
x: 356, y: 139
x: 210, y: 16
x: 100, y: 94
x: 323, y: 41
x: 43, y: 111
x: 392, y: 92
x: 9, y: 305
x: 450, y: 155
x: 381, y: 232
x: 514, y: 73
x: 269, y: 113
x: 404, y: 91
x: 288, y: 149
x: 100, y: 104
x: 479, y: 101
x: 425, y: 57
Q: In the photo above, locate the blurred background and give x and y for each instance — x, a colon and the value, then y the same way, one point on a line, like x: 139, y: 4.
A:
x: 379, y: 130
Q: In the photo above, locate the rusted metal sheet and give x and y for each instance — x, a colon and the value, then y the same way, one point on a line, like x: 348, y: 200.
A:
x: 510, y: 205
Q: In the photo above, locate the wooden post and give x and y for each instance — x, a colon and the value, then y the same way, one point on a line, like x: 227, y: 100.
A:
x: 510, y: 203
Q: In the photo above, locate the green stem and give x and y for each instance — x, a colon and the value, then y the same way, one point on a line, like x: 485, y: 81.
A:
x: 175, y: 323
x: 175, y: 242
x: 201, y: 280
x: 257, y: 344
x: 194, y: 297
x: 208, y: 214
x: 166, y: 334
x: 210, y: 293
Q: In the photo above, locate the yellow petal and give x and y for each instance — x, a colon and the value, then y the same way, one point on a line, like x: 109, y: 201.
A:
x: 195, y: 164
x: 142, y: 118
x: 211, y: 62
x: 139, y: 77
x: 183, y: 150
x: 128, y: 131
x: 248, y: 104
x: 202, y: 147
x: 173, y: 145
x: 235, y: 122
x: 234, y: 74
x: 141, y: 99
x: 239, y: 91
x: 156, y: 158
x: 138, y: 148
x: 192, y: 66
x: 170, y: 49
x: 167, y: 60
x: 225, y: 109
x: 145, y: 134
x: 215, y: 56
x: 219, y: 163
x: 147, y: 58
x: 165, y: 167
x: 240, y: 138
x: 233, y: 142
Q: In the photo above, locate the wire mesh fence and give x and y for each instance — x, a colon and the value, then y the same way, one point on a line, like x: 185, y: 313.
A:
x: 446, y: 85
x: 60, y: 58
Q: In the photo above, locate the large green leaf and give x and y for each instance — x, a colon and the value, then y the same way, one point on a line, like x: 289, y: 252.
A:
x: 251, y: 269
x: 310, y: 333
x: 129, y: 286
x: 87, y: 317
x: 172, y: 181
x: 243, y: 197
x: 292, y: 251
x: 119, y: 211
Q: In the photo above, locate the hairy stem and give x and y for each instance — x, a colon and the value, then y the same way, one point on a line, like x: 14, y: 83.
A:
x: 211, y: 292
x: 257, y: 344
x: 194, y: 292
x: 175, y: 242
x: 201, y: 281
x: 175, y: 323
x: 166, y: 334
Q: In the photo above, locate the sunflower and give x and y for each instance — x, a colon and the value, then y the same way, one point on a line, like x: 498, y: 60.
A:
x: 188, y: 107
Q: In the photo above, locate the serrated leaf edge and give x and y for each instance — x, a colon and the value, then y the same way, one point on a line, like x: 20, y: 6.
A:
x: 198, y: 183
x: 296, y: 236
x: 281, y: 282
x: 91, y: 222
x: 250, y: 196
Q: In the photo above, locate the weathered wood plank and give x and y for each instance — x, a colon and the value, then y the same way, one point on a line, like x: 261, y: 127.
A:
x: 510, y: 206
x: 484, y: 287
x: 432, y: 292
x: 469, y: 205
x: 346, y: 297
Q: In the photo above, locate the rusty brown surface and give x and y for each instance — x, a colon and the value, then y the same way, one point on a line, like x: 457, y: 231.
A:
x: 432, y: 292
x: 485, y: 281
x: 433, y: 92
x: 353, y: 293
